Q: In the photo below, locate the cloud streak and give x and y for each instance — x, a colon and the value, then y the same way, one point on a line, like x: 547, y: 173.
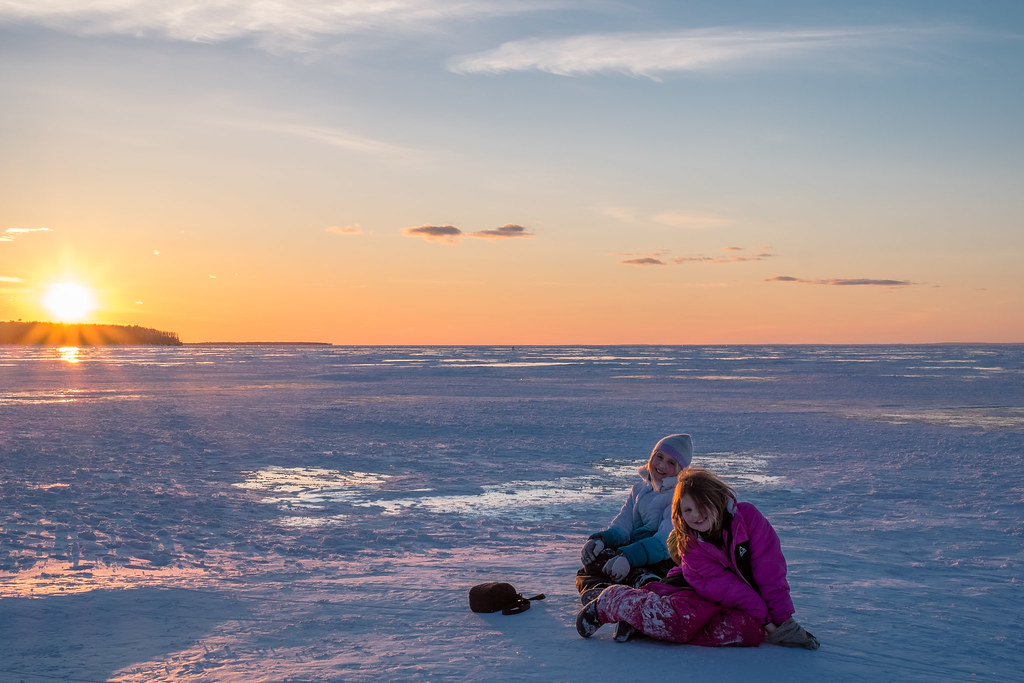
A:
x: 643, y: 261
x: 451, y: 234
x: 434, y: 233
x: 332, y: 137
x: 10, y: 234
x: 507, y: 231
x: 345, y: 230
x: 278, y: 25
x: 844, y: 282
x: 652, y: 54
x: 734, y: 255
x: 683, y: 220
x: 692, y: 221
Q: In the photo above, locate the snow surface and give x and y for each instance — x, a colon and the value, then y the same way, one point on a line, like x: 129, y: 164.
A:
x: 291, y: 513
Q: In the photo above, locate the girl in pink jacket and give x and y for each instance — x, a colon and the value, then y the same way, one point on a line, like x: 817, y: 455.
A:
x: 730, y: 587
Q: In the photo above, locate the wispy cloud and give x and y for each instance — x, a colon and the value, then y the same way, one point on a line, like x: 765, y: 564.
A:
x: 7, y: 278
x: 278, y: 25
x: 435, y: 233
x: 643, y: 261
x: 451, y: 234
x: 733, y: 255
x: 843, y: 281
x: 355, y: 229
x: 692, y: 221
x: 684, y: 220
x: 507, y: 231
x: 651, y: 54
x: 334, y: 137
x: 10, y: 234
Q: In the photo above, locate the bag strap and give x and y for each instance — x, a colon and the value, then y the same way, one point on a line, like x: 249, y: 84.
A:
x: 523, y: 604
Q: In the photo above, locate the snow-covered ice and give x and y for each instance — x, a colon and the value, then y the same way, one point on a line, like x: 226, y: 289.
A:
x: 307, y: 513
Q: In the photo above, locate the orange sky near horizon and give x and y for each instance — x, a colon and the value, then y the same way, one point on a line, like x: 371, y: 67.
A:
x: 520, y: 299
x: 701, y: 175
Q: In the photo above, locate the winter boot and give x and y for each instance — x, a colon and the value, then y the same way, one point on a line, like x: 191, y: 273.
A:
x: 587, y: 622
x: 623, y: 632
x: 645, y: 578
x: 591, y: 594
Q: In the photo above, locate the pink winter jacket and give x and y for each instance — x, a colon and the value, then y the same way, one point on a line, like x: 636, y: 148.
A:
x: 724, y: 575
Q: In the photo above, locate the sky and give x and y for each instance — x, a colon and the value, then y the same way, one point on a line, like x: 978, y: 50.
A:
x: 516, y: 171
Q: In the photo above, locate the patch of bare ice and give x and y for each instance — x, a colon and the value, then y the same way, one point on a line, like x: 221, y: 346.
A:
x: 739, y: 469
x: 38, y: 397
x: 987, y: 417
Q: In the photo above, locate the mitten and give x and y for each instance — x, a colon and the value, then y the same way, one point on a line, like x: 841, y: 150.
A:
x: 590, y: 550
x: 791, y: 634
x: 616, y: 568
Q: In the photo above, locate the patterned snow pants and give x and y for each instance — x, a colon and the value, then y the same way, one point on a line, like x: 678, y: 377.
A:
x: 678, y: 615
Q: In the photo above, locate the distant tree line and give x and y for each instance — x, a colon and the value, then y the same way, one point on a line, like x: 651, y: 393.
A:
x: 83, y: 334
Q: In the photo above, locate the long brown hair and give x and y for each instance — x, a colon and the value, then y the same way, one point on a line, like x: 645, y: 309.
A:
x: 708, y: 492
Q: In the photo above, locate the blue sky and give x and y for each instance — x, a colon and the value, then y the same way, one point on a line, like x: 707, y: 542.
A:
x: 521, y: 172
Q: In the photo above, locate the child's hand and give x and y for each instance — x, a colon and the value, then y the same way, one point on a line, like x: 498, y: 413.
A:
x: 590, y: 550
x: 617, y: 568
x: 791, y: 634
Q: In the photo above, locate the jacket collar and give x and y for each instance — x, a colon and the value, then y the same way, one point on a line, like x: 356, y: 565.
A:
x: 667, y: 484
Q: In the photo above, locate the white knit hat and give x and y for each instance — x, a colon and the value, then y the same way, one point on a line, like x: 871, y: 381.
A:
x: 678, y: 446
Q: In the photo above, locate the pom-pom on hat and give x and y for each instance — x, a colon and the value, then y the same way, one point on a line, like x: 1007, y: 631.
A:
x: 678, y: 446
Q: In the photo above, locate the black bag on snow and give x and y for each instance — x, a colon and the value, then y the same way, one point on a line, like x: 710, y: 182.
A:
x: 498, y: 595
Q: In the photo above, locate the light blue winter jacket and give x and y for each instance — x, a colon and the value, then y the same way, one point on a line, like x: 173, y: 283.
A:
x: 641, y: 528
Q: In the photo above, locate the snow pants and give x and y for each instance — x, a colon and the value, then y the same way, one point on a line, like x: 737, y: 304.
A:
x: 678, y: 615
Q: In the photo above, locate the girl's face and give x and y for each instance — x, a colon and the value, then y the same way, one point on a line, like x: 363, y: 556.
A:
x: 662, y: 466
x: 700, y: 520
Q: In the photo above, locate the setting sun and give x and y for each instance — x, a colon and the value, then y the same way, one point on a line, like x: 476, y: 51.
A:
x: 69, y: 302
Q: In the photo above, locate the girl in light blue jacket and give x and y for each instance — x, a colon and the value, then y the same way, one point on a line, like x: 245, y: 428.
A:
x: 632, y: 550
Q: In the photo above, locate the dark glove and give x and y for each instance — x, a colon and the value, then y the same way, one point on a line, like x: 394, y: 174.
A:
x: 791, y: 634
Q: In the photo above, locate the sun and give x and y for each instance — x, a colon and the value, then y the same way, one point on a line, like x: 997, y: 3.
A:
x: 69, y: 302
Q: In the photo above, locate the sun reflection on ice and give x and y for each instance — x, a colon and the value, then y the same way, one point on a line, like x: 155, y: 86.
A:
x: 307, y: 485
x: 309, y: 488
x: 518, y: 500
x: 308, y: 494
x: 309, y: 497
x: 70, y: 354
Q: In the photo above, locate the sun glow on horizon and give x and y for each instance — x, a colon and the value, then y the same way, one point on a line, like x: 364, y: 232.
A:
x: 69, y: 302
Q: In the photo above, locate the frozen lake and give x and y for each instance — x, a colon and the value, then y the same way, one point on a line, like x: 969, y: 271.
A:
x: 318, y: 512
